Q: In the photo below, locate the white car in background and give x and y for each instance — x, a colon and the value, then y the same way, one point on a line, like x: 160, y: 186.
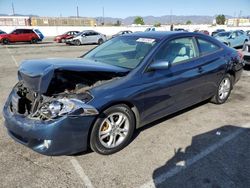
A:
x: 87, y: 37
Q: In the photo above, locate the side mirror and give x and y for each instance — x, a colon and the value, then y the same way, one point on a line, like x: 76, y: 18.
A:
x: 232, y: 37
x: 159, y: 65
x: 83, y: 35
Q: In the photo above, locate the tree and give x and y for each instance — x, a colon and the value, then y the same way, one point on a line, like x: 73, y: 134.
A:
x: 158, y: 24
x: 139, y: 20
x: 118, y: 23
x: 220, y: 19
x: 188, y: 22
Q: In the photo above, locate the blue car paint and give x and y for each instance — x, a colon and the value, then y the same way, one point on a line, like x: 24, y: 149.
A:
x: 153, y: 94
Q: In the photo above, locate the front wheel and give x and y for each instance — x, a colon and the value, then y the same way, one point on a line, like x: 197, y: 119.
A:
x: 78, y: 43
x: 112, y: 130
x: 100, y: 41
x: 33, y: 41
x: 224, y: 90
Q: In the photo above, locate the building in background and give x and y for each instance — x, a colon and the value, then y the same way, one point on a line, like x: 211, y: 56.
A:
x: 15, y: 21
x: 62, y: 21
x: 45, y: 21
x: 238, y: 22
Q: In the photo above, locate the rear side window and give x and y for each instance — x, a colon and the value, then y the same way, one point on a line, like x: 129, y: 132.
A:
x: 207, y: 47
x: 177, y: 50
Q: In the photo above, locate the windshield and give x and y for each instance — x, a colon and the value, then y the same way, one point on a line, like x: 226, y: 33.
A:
x: 224, y: 34
x: 125, y: 52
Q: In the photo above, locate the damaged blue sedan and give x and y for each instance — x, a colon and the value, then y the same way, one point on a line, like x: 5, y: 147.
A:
x: 65, y: 106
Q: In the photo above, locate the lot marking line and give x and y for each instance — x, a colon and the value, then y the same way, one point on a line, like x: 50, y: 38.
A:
x: 79, y: 170
x: 13, y: 58
x: 175, y: 170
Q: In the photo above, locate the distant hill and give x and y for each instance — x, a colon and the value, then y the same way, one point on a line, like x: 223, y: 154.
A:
x: 167, y: 19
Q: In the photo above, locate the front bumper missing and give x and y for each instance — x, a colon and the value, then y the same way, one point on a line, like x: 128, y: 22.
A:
x: 65, y: 135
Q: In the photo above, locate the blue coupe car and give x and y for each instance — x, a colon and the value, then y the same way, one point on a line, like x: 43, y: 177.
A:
x: 64, y: 106
x: 232, y: 38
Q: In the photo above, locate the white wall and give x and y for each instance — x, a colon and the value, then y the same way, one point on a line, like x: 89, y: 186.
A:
x: 56, y: 30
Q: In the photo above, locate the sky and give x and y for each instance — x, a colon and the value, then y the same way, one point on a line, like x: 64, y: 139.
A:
x: 125, y: 8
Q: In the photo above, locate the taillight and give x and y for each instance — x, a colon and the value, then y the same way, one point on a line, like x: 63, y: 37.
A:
x: 240, y: 54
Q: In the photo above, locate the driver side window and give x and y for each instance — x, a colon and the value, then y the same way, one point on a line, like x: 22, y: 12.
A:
x: 177, y: 50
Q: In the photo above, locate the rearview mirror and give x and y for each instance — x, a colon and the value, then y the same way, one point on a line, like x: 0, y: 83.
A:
x: 159, y: 65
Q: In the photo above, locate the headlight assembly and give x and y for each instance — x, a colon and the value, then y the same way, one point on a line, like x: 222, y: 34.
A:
x: 71, y: 107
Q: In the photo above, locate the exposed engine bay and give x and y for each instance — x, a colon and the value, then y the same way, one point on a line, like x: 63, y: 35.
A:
x: 66, y: 90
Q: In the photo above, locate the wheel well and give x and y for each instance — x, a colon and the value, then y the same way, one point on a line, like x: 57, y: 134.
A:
x: 231, y: 73
x: 131, y: 106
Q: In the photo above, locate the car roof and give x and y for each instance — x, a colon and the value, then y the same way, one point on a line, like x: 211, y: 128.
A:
x: 159, y: 34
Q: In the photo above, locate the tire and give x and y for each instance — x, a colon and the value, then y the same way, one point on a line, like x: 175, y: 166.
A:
x: 5, y: 41
x: 33, y: 41
x: 62, y: 41
x: 100, y: 41
x: 78, y: 43
x: 224, y: 90
x: 108, y: 135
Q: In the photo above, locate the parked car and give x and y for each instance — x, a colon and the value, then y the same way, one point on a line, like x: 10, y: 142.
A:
x: 180, y: 29
x: 122, y: 33
x: 246, y: 53
x: 67, y: 35
x: 63, y: 106
x: 150, y: 29
x: 248, y: 32
x: 202, y: 31
x: 217, y: 31
x: 87, y: 37
x: 22, y: 35
x: 2, y: 32
x: 232, y: 38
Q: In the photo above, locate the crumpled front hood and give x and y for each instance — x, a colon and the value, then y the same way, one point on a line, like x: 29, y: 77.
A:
x: 37, y: 74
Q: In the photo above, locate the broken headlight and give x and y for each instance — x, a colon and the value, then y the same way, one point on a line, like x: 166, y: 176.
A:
x: 60, y: 107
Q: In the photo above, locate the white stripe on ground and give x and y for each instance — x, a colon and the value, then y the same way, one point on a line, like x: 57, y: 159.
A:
x: 13, y: 58
x: 175, y: 170
x: 79, y: 170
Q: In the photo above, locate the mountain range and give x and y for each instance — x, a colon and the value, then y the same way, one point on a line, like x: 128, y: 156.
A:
x: 150, y: 20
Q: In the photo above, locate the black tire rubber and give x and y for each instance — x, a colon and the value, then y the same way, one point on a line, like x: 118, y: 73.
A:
x: 100, y: 41
x: 215, y: 99
x: 5, y: 41
x: 95, y: 143
x: 78, y: 43
x: 33, y: 41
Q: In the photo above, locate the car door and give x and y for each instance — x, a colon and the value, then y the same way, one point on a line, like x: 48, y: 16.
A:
x: 233, y: 39
x: 85, y: 38
x: 241, y: 38
x: 16, y: 35
x: 212, y: 64
x: 94, y: 36
x: 177, y: 87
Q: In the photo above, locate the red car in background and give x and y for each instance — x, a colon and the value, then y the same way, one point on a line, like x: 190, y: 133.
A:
x: 22, y: 35
x: 202, y: 31
x: 67, y: 35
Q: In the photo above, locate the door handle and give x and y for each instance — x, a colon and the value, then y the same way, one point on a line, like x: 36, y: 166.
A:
x: 200, y: 70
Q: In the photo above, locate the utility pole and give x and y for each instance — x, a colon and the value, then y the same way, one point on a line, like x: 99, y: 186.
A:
x: 103, y: 20
x: 77, y: 12
x: 13, y: 9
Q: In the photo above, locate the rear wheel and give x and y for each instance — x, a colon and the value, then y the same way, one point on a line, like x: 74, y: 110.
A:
x: 33, y: 41
x: 112, y: 130
x: 5, y: 41
x: 224, y: 90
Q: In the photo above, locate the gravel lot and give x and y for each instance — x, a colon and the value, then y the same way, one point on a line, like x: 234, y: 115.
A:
x: 203, y: 146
